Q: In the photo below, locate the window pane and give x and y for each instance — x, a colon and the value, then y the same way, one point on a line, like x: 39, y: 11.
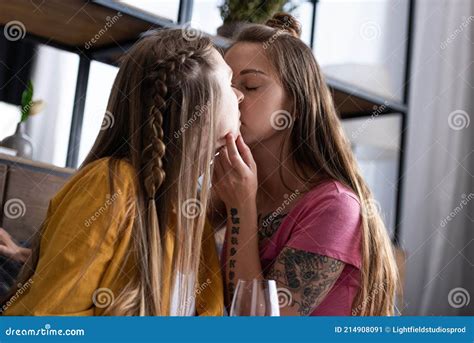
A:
x: 54, y: 81
x: 207, y: 16
x: 101, y: 79
x: 363, y: 42
x: 10, y: 118
x: 304, y: 13
x: 163, y: 8
x: 375, y: 142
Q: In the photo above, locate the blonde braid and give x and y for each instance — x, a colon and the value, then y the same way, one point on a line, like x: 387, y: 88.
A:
x: 165, y: 76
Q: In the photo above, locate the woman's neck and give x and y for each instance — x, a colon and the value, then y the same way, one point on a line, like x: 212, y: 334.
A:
x: 273, y: 166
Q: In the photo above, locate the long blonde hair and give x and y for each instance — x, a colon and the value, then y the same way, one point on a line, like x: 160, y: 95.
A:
x: 163, y: 102
x: 319, y: 146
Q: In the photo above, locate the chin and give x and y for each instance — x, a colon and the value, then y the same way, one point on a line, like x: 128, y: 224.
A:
x: 248, y: 138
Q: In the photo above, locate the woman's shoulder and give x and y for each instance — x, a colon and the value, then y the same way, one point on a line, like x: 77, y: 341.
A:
x: 331, y: 193
x: 328, y: 223
x: 101, y: 177
x: 335, y: 188
x: 107, y: 169
x: 120, y: 167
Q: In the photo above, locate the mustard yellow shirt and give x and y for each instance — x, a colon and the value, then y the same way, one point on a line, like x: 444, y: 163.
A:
x: 87, y: 234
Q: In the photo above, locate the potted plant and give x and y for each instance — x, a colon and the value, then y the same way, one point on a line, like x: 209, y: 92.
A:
x: 20, y: 141
x: 236, y: 13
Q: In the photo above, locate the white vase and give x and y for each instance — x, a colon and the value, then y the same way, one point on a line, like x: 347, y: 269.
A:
x: 20, y: 142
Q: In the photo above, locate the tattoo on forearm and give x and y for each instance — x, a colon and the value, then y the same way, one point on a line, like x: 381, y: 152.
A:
x: 309, y: 277
x: 234, y: 242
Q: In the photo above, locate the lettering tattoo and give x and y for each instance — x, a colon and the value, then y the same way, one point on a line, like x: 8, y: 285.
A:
x: 234, y: 242
x: 308, y: 276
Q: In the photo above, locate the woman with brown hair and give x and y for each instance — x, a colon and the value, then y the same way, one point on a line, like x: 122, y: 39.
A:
x: 310, y: 222
x: 127, y: 234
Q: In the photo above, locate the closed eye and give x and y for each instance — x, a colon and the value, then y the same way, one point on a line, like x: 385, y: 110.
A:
x: 250, y: 89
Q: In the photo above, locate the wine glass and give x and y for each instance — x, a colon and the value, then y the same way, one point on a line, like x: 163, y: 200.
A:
x: 255, y: 298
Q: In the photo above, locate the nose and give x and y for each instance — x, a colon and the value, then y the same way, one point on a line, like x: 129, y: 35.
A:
x: 240, y: 95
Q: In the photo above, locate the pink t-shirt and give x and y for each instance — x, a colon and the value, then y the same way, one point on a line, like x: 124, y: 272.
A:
x: 325, y: 221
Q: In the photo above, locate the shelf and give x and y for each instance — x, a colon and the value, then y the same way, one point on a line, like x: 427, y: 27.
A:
x: 353, y: 102
x: 35, y: 165
x: 73, y: 23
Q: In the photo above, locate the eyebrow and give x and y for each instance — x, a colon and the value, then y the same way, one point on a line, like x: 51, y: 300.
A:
x: 249, y: 71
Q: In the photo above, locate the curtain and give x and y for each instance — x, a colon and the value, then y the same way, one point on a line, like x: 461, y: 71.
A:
x: 437, y: 228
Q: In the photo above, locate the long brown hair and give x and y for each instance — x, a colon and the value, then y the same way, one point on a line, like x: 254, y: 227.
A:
x: 319, y: 146
x: 163, y: 104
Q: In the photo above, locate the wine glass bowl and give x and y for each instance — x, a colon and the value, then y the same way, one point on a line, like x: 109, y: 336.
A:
x: 255, y: 298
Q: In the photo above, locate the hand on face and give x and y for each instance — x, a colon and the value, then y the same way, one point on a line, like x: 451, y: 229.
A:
x: 235, y: 173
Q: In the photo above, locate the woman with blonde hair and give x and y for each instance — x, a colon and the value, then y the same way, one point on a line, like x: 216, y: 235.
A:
x: 127, y: 235
x: 309, y: 222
